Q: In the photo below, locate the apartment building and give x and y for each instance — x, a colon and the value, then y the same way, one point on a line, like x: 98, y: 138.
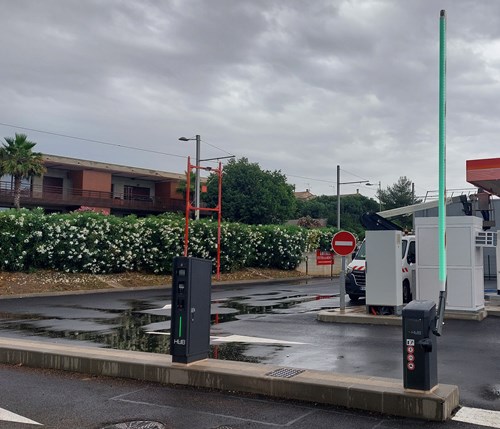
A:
x: 70, y: 184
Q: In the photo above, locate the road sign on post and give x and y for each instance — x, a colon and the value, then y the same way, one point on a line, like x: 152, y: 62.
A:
x: 343, y: 244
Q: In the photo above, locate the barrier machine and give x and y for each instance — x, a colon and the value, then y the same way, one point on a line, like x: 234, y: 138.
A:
x: 419, y: 346
x: 190, y: 319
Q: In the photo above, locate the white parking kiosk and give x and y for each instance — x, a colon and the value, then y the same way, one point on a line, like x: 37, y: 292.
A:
x: 383, y: 270
x: 465, y: 240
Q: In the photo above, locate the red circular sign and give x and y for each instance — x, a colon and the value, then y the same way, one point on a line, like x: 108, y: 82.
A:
x: 343, y: 243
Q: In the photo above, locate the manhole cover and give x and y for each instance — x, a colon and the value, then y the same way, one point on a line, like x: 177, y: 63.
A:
x: 285, y: 372
x: 138, y: 424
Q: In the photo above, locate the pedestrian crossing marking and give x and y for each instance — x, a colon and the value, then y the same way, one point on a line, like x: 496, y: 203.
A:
x: 238, y: 339
x: 251, y: 340
x: 478, y: 416
x: 9, y: 416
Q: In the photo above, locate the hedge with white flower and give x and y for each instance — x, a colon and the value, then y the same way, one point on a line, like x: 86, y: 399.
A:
x: 95, y: 243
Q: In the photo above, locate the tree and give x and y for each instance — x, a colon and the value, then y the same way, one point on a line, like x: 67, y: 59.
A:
x: 18, y: 159
x: 351, y: 208
x: 251, y: 195
x: 399, y: 195
x: 309, y: 222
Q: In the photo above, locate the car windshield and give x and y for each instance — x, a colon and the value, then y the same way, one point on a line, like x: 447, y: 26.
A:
x: 361, y: 255
x: 404, y: 244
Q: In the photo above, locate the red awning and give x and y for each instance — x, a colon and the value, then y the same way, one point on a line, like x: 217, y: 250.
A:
x: 484, y: 173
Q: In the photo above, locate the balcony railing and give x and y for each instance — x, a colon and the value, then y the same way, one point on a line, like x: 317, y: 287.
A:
x: 55, y: 196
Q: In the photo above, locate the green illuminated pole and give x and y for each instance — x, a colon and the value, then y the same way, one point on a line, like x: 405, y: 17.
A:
x: 442, y: 173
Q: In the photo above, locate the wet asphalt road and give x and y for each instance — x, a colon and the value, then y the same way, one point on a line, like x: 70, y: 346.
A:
x: 64, y: 400
x: 284, y: 314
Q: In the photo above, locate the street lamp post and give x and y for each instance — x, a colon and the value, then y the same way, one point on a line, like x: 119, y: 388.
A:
x: 197, y: 181
x: 379, y: 194
x: 338, y: 197
x: 338, y: 192
x: 342, y: 269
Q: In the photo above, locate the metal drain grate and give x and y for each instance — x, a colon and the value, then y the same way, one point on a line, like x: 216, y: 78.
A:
x: 285, y: 372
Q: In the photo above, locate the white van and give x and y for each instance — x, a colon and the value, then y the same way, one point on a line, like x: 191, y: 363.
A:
x: 355, y: 281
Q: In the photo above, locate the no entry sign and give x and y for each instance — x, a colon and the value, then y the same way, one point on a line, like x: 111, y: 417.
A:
x: 343, y: 243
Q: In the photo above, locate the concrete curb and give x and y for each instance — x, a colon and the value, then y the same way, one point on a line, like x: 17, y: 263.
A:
x: 286, y: 280
x: 493, y: 310
x: 354, y: 315
x: 358, y: 315
x: 376, y: 394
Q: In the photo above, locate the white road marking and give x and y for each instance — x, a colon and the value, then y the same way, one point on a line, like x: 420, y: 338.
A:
x: 253, y: 340
x: 8, y: 416
x: 165, y: 307
x: 477, y: 416
x: 237, y: 339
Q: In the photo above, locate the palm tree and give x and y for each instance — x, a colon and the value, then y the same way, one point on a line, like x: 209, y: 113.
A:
x: 18, y: 159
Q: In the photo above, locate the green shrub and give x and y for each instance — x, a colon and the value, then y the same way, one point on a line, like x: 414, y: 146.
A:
x: 278, y: 246
x: 95, y: 243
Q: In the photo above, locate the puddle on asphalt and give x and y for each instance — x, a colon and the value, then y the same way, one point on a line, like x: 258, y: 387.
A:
x: 255, y: 304
x: 233, y: 351
x: 143, y: 327
x: 491, y: 392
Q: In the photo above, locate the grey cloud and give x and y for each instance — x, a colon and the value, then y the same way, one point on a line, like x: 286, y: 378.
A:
x: 294, y: 85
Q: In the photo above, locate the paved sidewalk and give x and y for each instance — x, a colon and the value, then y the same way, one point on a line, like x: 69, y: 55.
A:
x: 383, y: 395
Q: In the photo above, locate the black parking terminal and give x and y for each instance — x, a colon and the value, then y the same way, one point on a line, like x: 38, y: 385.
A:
x: 419, y: 346
x: 190, y: 319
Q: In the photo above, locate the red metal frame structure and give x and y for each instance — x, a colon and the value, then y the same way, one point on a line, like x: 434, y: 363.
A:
x: 190, y: 207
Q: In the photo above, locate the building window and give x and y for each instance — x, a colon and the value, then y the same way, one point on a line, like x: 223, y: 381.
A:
x: 136, y: 193
x: 52, y: 186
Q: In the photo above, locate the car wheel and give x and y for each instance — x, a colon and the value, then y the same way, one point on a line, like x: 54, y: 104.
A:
x: 406, y: 293
x: 354, y: 298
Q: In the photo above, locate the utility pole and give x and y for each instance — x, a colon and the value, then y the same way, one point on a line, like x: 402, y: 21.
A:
x: 197, y: 167
x: 338, y: 192
x: 338, y: 197
x: 197, y: 181
x: 379, y: 196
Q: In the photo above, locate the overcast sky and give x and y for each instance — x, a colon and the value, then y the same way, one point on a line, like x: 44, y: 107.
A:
x: 297, y: 86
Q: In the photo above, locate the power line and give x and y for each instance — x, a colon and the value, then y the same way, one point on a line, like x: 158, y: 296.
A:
x: 147, y: 150
x: 352, y: 174
x: 310, y: 178
x: 216, y: 147
x: 94, y: 141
